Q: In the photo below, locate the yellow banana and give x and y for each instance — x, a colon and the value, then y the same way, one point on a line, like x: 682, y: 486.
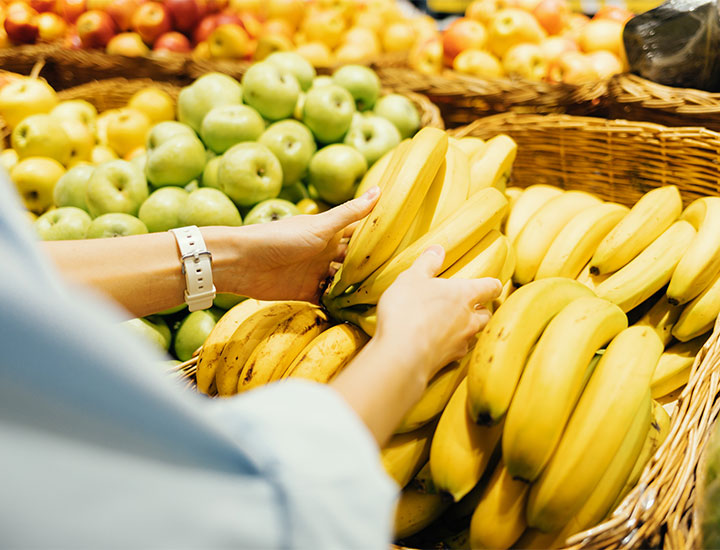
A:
x: 589, y: 280
x: 376, y: 174
x: 529, y: 202
x: 673, y: 369
x: 699, y: 315
x: 534, y: 539
x: 404, y: 455
x: 491, y: 166
x: 218, y: 338
x: 499, y: 518
x: 469, y: 145
x: 577, y: 241
x: 701, y: 261
x: 650, y: 270
x: 508, y: 288
x: 485, y: 259
x: 436, y: 396
x: 417, y: 506
x: 552, y: 382
x: 409, y: 176
x: 460, y: 449
x: 457, y: 234
x: 596, y: 429
x: 327, y: 354
x: 646, y: 221
x: 503, y: 346
x: 541, y: 229
x: 363, y: 317
x: 246, y: 337
x: 662, y: 316
x: 271, y: 358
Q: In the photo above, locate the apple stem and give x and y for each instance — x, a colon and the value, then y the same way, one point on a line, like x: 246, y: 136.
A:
x: 39, y: 65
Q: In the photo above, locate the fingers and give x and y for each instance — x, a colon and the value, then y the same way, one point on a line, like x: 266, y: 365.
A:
x: 340, y: 217
x: 481, y: 291
x: 430, y: 261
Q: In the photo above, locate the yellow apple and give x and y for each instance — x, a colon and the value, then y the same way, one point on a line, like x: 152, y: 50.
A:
x: 602, y: 34
x: 605, y: 64
x: 478, y: 63
x: 229, y: 41
x: 572, y: 68
x: 370, y: 19
x: 326, y: 26
x: 129, y: 44
x: 8, y: 159
x: 102, y: 153
x: 361, y: 35
x: 35, y: 179
x: 76, y: 109
x: 348, y: 54
x: 398, y: 37
x: 425, y: 27
x: 51, y: 26
x: 201, y: 51
x: 512, y: 26
x: 127, y: 129
x: 279, y: 26
x: 135, y: 153
x: 484, y: 10
x: 101, y: 123
x: 271, y: 43
x: 23, y: 97
x: 291, y: 11
x: 317, y: 53
x: 427, y: 57
x: 526, y: 61
x: 155, y: 103
x: 554, y: 46
x: 82, y: 140
x: 242, y: 6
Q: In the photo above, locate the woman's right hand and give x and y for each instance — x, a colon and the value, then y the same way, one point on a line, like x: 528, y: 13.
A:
x: 436, y: 319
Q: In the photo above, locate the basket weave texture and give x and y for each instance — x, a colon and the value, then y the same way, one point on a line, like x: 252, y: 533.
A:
x: 619, y: 161
x: 636, y: 98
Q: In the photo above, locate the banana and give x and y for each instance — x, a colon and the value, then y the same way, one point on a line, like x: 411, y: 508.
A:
x: 646, y: 221
x: 577, y: 241
x: 596, y: 429
x: 491, y: 166
x: 673, y: 369
x: 662, y: 316
x: 541, y: 229
x: 701, y: 262
x: 650, y: 270
x: 503, y: 346
x: 409, y: 175
x: 218, y: 338
x: 271, y: 358
x: 513, y: 194
x: 699, y: 315
x: 404, y: 455
x: 417, y: 507
x: 552, y: 382
x: 460, y: 449
x: 589, y: 280
x: 499, y: 518
x: 485, y: 259
x: 244, y: 340
x: 363, y: 317
x: 327, y: 354
x: 659, y: 430
x: 469, y: 145
x: 376, y: 174
x: 529, y: 202
x: 534, y: 539
x: 436, y: 396
x: 508, y: 288
x: 458, y: 234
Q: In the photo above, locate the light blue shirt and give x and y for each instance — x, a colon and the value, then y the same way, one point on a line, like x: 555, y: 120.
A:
x: 100, y: 449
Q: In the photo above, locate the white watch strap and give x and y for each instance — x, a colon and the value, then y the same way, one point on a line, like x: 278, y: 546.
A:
x: 197, y: 267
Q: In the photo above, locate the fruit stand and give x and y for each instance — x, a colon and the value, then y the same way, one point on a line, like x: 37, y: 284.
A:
x: 516, y: 136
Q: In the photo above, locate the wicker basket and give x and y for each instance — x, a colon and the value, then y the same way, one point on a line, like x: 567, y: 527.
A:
x: 635, y: 98
x: 462, y: 98
x: 619, y: 161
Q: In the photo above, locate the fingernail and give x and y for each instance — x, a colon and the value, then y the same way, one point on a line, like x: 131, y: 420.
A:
x: 371, y: 194
x: 435, y: 249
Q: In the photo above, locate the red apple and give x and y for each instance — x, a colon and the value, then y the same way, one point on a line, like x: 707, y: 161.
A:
x: 70, y: 10
x: 151, y: 20
x: 462, y: 34
x: 614, y: 12
x: 553, y: 15
x: 41, y: 6
x: 122, y: 11
x: 21, y: 23
x: 172, y: 42
x: 185, y: 13
x: 214, y: 6
x: 95, y: 29
x: 51, y: 26
x: 279, y: 27
x: 206, y: 26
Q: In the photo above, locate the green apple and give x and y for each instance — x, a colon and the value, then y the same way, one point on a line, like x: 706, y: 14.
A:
x: 328, y: 112
x: 271, y: 210
x: 208, y: 206
x: 41, y: 136
x: 322, y: 80
x: 399, y: 110
x: 272, y: 91
x: 193, y: 332
x: 76, y: 109
x: 152, y: 329
x: 163, y: 209
x: 225, y: 126
x: 71, y: 187
x: 115, y: 225
x: 63, y: 224
x: 192, y: 186
x: 299, y: 107
x: 335, y: 171
x: 209, y: 91
x: 249, y: 173
x: 225, y: 300
x: 373, y: 136
x: 293, y: 145
x: 294, y: 193
x: 177, y: 161
x: 361, y: 82
x: 115, y: 186
x: 167, y: 130
x: 295, y: 64
x: 172, y: 310
x: 209, y: 175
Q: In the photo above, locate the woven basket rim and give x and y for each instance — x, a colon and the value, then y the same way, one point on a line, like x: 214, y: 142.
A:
x: 630, y: 88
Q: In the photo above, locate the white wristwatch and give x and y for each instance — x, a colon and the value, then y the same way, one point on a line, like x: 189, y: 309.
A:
x: 197, y: 267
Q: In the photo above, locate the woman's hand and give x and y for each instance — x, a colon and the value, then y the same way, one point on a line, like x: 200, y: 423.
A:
x: 290, y: 259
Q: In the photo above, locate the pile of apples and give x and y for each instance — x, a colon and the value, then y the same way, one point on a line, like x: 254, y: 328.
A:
x: 537, y: 40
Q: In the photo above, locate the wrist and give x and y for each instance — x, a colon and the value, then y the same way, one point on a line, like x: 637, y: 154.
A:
x: 407, y: 360
x: 229, y: 255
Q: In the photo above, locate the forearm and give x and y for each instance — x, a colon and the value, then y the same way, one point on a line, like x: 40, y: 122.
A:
x: 143, y: 272
x: 381, y: 384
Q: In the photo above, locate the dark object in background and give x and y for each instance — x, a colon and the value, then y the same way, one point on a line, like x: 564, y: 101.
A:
x: 676, y: 44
